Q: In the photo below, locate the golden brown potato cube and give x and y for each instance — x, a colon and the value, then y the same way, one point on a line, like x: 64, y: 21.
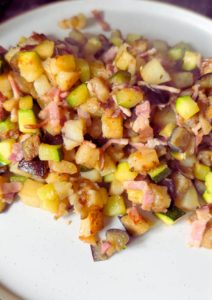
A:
x: 45, y: 49
x: 30, y: 66
x: 91, y: 225
x: 5, y: 87
x: 87, y: 156
x: 65, y: 80
x: 98, y: 88
x: 63, y: 166
x: 143, y: 160
x: 162, y: 199
x: 135, y: 228
x: 112, y: 127
x: 28, y: 193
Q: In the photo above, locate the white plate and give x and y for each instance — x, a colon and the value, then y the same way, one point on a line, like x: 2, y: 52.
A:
x: 42, y: 259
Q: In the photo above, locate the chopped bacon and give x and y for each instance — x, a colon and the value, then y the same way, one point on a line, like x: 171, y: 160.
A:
x: 51, y: 112
x: 98, y: 15
x: 151, y: 143
x: 198, y: 225
x: 15, y: 88
x: 38, y: 37
x: 134, y: 215
x: 114, y: 141
x: 9, y: 190
x: 110, y: 54
x: 167, y: 88
x: 105, y: 246
x: 17, y: 153
x: 142, y: 121
x: 54, y: 94
x: 143, y: 109
x: 148, y: 52
x: 147, y: 197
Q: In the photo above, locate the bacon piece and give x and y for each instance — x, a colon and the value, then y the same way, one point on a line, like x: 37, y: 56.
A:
x: 110, y: 54
x: 114, y: 141
x: 51, y: 112
x: 98, y: 15
x: 15, y: 88
x: 17, y: 153
x: 105, y: 246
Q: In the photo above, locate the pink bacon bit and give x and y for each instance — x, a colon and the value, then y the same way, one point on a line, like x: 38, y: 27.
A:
x: 15, y: 89
x: 123, y: 142
x: 151, y: 51
x: 9, y: 191
x: 98, y: 15
x: 52, y: 113
x: 17, y: 153
x: 85, y: 116
x: 105, y: 246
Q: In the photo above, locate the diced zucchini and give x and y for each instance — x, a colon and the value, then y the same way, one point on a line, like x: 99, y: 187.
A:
x: 159, y: 173
x: 123, y: 172
x: 26, y: 117
x: 178, y: 155
x: 92, y: 46
x: 112, y: 127
x: 190, y: 60
x: 186, y: 107
x: 30, y: 65
x: 132, y: 37
x: 45, y: 49
x: 115, y: 206
x: 183, y: 80
x: 207, y: 197
x: 171, y: 216
x: 208, y: 182
x: 78, y: 96
x: 109, y: 177
x: 200, y: 171
x: 116, y: 38
x: 167, y: 130
x: 49, y: 152
x: 6, y: 126
x: 84, y: 69
x: 120, y: 77
x: 49, y: 199
x: 18, y: 178
x: 176, y: 53
x: 129, y: 97
x: 154, y: 73
x: 28, y: 194
x: 25, y: 102
x: 6, y: 147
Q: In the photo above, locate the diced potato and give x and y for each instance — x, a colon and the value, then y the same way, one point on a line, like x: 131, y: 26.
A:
x: 91, y: 225
x: 112, y: 127
x: 74, y: 130
x: 10, y: 104
x: 97, y: 198
x: 115, y: 206
x: 135, y: 196
x: 154, y: 73
x: 55, y: 177
x: 123, y: 172
x: 2, y: 206
x: 92, y: 106
x: 5, y: 87
x: 161, y: 197
x: 30, y: 65
x: 11, y: 53
x: 70, y: 144
x: 64, y: 63
x: 42, y: 85
x: 97, y: 69
x: 143, y: 160
x: 98, y: 88
x: 65, y: 80
x: 87, y: 156
x: 109, y: 166
x: 63, y: 189
x: 28, y: 193
x: 135, y: 228
x: 116, y: 187
x: 45, y: 49
x: 49, y: 199
x: 93, y: 175
x: 63, y: 167
x: 6, y: 147
x: 125, y: 61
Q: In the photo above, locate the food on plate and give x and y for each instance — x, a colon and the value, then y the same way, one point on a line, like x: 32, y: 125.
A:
x: 107, y: 127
